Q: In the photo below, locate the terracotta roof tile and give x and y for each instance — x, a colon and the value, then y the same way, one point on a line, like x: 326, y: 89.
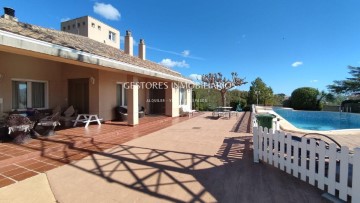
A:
x: 80, y: 43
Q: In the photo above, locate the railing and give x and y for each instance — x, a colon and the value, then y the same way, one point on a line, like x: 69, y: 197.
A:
x: 320, y: 164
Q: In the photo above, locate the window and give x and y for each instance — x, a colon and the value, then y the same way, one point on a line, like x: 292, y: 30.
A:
x: 19, y: 95
x: 99, y: 27
x: 64, y: 28
x: 78, y: 24
x: 183, y: 96
x: 28, y: 94
x: 121, y: 95
x: 68, y: 27
x: 84, y: 23
x: 112, y: 36
x: 73, y: 25
x: 93, y: 25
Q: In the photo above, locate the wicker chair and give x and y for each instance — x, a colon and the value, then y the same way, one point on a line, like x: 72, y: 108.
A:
x: 49, y: 123
x: 121, y: 113
x: 19, y: 128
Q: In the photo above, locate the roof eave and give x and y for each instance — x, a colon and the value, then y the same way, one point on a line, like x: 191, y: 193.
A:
x: 26, y: 43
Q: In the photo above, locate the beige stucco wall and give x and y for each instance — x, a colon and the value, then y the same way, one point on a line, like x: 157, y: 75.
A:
x: 73, y: 27
x: 56, y: 74
x: 103, y: 34
x: 102, y: 93
x: 107, y: 93
x: 142, y: 98
x: 87, y: 30
x: 172, y: 99
x: 70, y: 71
x: 14, y: 66
x: 189, y: 98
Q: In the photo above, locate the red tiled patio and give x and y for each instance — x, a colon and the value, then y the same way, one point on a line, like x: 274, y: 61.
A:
x: 18, y: 162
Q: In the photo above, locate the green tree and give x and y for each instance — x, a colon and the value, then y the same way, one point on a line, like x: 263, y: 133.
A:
x: 217, y: 82
x: 279, y: 99
x: 338, y: 98
x: 305, y: 98
x: 348, y: 86
x: 236, y: 97
x: 206, y: 99
x: 260, y: 92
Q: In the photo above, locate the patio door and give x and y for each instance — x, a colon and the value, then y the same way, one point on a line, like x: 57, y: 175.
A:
x: 78, y: 94
x: 157, y: 100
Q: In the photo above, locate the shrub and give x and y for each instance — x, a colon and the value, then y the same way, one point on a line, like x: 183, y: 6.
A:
x: 304, y: 98
x: 247, y: 108
x: 287, y: 103
x: 233, y: 104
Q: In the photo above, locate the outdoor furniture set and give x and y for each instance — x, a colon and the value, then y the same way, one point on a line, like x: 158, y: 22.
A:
x: 226, y: 111
x: 21, y: 126
x: 122, y: 115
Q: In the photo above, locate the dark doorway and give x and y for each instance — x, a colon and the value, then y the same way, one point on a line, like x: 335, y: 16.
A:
x: 157, y: 100
x: 78, y: 94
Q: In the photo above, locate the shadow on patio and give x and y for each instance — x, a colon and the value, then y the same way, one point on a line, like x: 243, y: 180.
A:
x: 243, y: 124
x: 229, y: 176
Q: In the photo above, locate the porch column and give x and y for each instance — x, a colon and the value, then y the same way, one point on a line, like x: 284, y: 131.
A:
x: 172, y: 100
x: 133, y: 100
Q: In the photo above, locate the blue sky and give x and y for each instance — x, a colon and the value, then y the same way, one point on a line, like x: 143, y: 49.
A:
x: 288, y: 43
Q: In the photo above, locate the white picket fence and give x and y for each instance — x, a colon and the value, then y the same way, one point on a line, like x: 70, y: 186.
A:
x: 326, y: 167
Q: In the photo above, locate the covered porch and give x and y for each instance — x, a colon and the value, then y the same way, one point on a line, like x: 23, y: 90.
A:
x: 30, y: 82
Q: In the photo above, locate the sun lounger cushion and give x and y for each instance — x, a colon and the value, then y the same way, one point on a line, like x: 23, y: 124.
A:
x: 69, y: 112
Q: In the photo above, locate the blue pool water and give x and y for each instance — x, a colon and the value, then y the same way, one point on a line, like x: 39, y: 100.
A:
x: 320, y: 120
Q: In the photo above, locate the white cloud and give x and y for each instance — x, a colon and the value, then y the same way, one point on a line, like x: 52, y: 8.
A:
x: 186, y: 53
x: 64, y: 19
x: 297, y: 63
x: 170, y: 63
x: 107, y: 11
x: 195, y: 76
x: 313, y: 81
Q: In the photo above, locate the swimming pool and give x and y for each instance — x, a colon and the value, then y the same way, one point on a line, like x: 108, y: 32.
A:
x: 320, y: 120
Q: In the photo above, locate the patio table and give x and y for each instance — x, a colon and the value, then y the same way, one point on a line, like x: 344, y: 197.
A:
x: 222, y: 110
x: 87, y: 118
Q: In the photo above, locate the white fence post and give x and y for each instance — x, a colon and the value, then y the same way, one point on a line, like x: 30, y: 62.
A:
x: 344, y: 174
x: 288, y: 154
x: 303, y: 155
x: 332, y: 169
x: 309, y: 162
x: 321, y: 170
x: 256, y: 144
x: 356, y: 176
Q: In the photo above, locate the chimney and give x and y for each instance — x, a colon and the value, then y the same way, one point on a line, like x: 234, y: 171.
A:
x: 9, y: 13
x: 142, y: 49
x: 129, y: 43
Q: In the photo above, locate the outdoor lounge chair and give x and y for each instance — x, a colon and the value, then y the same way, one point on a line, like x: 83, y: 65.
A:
x: 122, y: 115
x: 19, y: 128
x: 49, y: 124
x: 68, y: 116
x: 185, y: 110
